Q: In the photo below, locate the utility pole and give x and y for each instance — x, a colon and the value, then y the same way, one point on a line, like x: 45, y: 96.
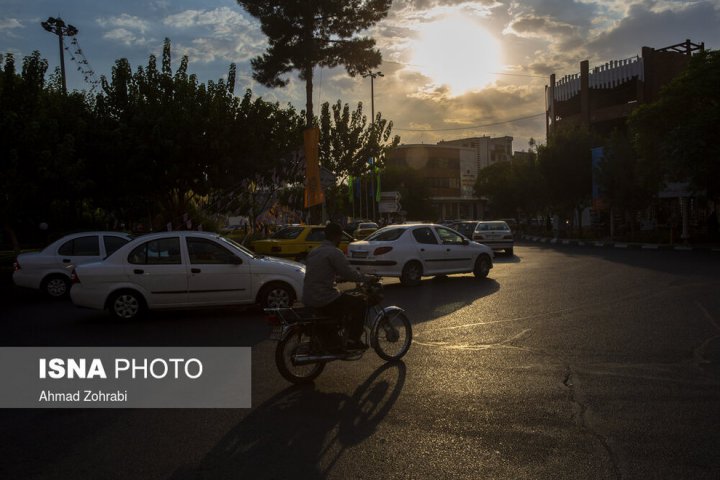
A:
x: 373, y: 76
x: 59, y: 28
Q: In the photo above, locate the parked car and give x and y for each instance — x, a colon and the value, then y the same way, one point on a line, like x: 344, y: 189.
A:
x: 184, y: 270
x: 295, y: 242
x: 352, y: 226
x: 411, y: 252
x: 466, y: 227
x: 496, y: 235
x: 49, y: 270
x: 364, y: 229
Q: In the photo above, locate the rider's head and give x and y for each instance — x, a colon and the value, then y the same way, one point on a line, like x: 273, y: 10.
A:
x: 333, y: 232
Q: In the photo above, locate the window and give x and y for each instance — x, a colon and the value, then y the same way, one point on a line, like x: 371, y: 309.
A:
x: 164, y: 251
x: 113, y: 243
x: 82, y: 247
x: 289, y: 233
x: 425, y: 236
x: 207, y: 252
x: 448, y: 236
x: 387, y: 235
x: 316, y: 235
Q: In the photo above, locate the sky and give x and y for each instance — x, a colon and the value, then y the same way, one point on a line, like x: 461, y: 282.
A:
x: 451, y: 69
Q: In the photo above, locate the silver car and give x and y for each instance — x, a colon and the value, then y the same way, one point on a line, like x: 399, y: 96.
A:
x: 496, y: 235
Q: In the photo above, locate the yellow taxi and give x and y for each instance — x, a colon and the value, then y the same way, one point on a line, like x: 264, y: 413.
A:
x: 296, y: 241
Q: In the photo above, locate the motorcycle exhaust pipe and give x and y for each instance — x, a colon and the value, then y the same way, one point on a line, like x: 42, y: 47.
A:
x: 299, y: 360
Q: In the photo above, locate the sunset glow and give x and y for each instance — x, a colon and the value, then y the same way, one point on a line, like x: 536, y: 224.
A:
x: 457, y: 52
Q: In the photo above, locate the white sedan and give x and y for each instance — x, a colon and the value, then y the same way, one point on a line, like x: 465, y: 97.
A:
x: 414, y: 251
x: 50, y: 269
x: 185, y: 270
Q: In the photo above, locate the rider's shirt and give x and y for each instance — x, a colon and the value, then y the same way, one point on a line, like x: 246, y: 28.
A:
x: 323, y: 265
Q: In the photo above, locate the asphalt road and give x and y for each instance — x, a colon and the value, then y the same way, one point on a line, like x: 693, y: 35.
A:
x: 567, y: 363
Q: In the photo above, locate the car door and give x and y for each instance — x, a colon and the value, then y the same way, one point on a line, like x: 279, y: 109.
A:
x: 457, y: 251
x: 429, y: 250
x: 156, y: 266
x: 79, y: 250
x: 217, y: 276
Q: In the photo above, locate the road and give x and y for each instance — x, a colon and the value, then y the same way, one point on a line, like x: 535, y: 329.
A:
x: 572, y: 362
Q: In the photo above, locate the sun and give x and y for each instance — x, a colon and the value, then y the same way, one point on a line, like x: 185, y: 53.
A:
x: 457, y: 52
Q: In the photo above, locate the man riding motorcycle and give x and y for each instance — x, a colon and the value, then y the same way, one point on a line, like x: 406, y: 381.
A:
x: 324, y: 265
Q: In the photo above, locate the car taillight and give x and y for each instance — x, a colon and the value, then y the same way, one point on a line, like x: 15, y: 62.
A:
x: 74, y: 278
x: 382, y: 250
x: 16, y: 266
x: 275, y: 249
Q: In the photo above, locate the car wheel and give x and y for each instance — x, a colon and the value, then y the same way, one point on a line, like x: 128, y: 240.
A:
x: 276, y: 295
x: 509, y: 251
x: 126, y: 305
x: 56, y: 287
x: 482, y: 266
x: 411, y: 273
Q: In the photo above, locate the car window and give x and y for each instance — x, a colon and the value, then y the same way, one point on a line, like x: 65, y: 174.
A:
x: 206, y: 252
x: 287, y: 233
x: 316, y: 235
x: 425, y: 235
x: 82, y: 247
x: 164, y: 251
x: 448, y: 236
x: 387, y: 234
x: 112, y: 243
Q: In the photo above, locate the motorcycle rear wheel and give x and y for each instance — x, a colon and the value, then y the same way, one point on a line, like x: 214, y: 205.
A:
x: 286, y: 348
x: 392, y: 335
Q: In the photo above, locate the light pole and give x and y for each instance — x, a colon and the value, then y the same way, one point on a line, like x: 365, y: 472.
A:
x: 373, y: 76
x: 59, y: 28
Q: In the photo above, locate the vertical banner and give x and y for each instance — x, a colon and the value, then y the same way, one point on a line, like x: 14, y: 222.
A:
x: 351, y: 194
x: 378, y: 190
x: 313, y: 189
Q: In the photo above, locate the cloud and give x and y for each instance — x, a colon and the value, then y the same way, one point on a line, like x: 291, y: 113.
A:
x: 7, y: 24
x: 126, y: 37
x: 126, y: 22
x: 219, y: 34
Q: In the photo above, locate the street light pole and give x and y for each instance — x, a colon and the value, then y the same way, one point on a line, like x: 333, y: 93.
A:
x: 58, y: 27
x: 372, y: 76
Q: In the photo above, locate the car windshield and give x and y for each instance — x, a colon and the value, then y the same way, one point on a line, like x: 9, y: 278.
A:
x: 287, y: 233
x: 386, y: 234
x: 488, y: 226
x: 367, y: 225
x: 243, y: 249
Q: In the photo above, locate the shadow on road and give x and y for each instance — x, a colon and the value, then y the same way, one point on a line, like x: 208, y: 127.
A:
x: 301, y: 432
x: 439, y: 296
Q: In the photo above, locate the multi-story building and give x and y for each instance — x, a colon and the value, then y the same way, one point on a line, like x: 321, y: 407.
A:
x: 602, y: 98
x: 450, y: 170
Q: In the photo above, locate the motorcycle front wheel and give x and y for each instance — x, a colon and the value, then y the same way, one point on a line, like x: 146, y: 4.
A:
x: 289, y: 346
x: 392, y: 335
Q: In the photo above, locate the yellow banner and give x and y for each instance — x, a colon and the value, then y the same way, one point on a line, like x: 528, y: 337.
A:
x: 313, y: 190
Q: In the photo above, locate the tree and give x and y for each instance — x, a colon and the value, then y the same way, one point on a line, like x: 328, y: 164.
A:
x: 677, y: 134
x: 625, y: 189
x: 566, y: 166
x: 304, y: 34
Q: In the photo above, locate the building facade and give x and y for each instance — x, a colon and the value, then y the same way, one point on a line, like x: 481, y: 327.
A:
x: 601, y: 99
x: 450, y: 170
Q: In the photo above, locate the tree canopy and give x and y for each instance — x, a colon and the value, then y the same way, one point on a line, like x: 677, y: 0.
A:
x: 677, y: 135
x: 304, y: 34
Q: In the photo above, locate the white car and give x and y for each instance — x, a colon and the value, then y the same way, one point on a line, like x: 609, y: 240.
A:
x: 50, y: 269
x: 411, y: 252
x: 496, y: 234
x: 185, y: 270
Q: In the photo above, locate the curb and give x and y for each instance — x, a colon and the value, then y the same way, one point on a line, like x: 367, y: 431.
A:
x: 620, y: 245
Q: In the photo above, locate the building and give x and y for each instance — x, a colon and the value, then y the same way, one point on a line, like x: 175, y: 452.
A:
x: 488, y: 150
x: 450, y: 170
x: 602, y: 98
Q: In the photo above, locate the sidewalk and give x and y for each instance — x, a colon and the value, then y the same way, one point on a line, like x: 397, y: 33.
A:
x: 700, y: 247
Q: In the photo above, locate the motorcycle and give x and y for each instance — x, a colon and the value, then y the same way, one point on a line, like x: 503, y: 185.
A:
x: 304, y: 348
